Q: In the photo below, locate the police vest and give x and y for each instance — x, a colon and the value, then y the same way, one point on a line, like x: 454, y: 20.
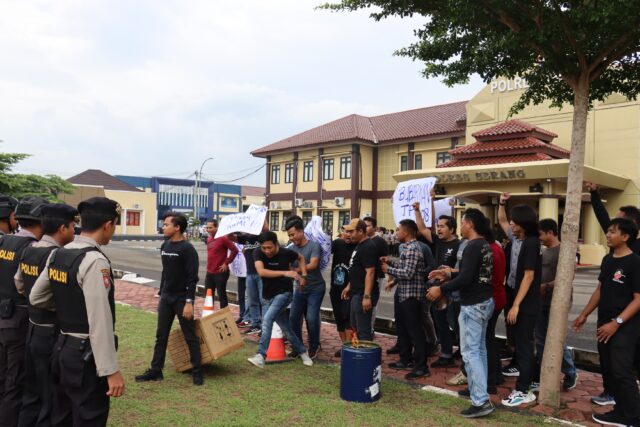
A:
x: 33, y: 261
x: 68, y: 296
x: 11, y: 249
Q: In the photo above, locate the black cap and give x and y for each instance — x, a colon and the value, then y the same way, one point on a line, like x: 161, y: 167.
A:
x: 60, y: 211
x: 30, y: 208
x: 7, y: 205
x: 100, y: 206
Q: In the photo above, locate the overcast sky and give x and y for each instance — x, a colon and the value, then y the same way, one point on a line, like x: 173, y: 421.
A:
x: 154, y: 87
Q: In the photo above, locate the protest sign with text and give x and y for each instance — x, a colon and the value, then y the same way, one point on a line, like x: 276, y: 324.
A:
x: 250, y: 222
x: 408, y: 192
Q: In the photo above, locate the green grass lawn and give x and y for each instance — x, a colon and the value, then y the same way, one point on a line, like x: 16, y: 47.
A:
x: 237, y: 393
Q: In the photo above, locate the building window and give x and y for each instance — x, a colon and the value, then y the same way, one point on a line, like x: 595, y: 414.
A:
x: 273, y: 221
x: 275, y: 174
x: 133, y: 218
x: 307, y: 171
x: 417, y: 161
x: 306, y: 217
x: 404, y: 163
x: 285, y: 217
x: 343, y: 218
x: 288, y: 173
x: 442, y: 157
x: 327, y: 221
x: 327, y: 172
x: 345, y: 168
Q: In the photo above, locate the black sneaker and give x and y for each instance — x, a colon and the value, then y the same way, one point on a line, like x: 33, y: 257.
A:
x: 150, y: 375
x: 478, y: 411
x: 418, y: 373
x: 197, y: 378
x: 611, y: 418
x: 293, y: 355
x: 569, y: 383
x: 394, y: 350
x: 253, y: 330
x: 401, y: 365
x: 444, y: 362
x: 313, y: 354
x: 511, y: 371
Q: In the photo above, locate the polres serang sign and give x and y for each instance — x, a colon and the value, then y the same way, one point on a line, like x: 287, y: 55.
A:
x: 408, y: 192
x: 249, y: 222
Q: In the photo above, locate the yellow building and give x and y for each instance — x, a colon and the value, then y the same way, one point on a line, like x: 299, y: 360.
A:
x: 138, y: 207
x: 344, y: 169
x: 475, y: 153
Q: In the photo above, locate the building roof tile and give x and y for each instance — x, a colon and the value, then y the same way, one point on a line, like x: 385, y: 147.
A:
x: 512, y: 128
x: 99, y: 178
x: 421, y: 122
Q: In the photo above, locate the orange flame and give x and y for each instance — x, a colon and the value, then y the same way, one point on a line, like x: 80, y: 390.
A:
x: 354, y: 341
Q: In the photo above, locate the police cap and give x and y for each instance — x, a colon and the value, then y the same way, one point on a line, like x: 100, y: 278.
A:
x: 30, y: 208
x: 100, y: 207
x: 60, y: 211
x: 7, y: 205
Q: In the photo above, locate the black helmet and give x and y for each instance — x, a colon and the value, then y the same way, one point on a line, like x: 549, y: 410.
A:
x: 7, y: 205
x: 30, y: 208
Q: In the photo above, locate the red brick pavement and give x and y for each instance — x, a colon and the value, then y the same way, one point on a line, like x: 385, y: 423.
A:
x: 576, y: 405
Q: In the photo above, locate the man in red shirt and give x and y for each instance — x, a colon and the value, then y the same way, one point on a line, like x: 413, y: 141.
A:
x: 218, y: 262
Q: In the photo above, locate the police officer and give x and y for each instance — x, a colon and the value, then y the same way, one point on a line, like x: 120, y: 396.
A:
x: 13, y: 308
x: 8, y: 221
x: 58, y: 221
x: 78, y: 283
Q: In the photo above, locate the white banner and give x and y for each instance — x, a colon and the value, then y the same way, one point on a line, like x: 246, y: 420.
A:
x: 239, y: 266
x: 313, y: 231
x: 250, y: 222
x: 408, y: 192
x: 443, y: 207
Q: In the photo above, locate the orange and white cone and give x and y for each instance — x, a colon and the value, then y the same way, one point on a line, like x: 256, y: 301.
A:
x: 208, y: 304
x: 276, y: 352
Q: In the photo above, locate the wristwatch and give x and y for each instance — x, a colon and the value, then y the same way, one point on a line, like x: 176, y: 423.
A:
x: 304, y: 276
x: 366, y: 296
x: 189, y: 301
x: 619, y: 320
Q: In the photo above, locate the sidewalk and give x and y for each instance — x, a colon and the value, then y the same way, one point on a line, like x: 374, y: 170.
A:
x: 576, y: 403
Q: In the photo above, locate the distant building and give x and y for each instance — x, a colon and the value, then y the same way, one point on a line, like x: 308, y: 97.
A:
x: 139, y: 211
x: 175, y: 194
x: 252, y: 196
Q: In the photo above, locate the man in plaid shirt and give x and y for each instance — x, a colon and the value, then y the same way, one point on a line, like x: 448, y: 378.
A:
x: 410, y: 276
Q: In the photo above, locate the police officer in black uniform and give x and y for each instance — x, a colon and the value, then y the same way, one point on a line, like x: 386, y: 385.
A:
x: 78, y: 283
x: 58, y: 221
x: 13, y: 308
x: 8, y: 223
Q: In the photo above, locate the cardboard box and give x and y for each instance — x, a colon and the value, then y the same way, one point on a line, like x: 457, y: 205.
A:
x: 218, y: 334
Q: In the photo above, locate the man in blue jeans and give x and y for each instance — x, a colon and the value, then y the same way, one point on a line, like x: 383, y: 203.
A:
x: 307, y: 300
x: 274, y: 265
x: 253, y: 282
x: 476, y: 307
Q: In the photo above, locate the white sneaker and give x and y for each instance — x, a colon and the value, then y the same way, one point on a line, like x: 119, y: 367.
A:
x: 257, y: 360
x: 306, y: 360
x: 517, y: 398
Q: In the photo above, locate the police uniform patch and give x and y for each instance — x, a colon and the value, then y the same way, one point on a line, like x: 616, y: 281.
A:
x: 106, y: 277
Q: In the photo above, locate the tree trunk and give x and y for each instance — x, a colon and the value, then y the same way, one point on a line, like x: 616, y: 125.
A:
x: 561, y: 302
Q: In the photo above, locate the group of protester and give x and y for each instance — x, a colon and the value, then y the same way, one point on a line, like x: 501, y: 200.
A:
x: 58, y: 360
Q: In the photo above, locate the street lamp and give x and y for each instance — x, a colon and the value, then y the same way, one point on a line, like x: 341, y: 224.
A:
x: 197, y: 190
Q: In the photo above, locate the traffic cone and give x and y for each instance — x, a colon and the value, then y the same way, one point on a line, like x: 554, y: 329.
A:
x: 276, y: 352
x: 208, y: 304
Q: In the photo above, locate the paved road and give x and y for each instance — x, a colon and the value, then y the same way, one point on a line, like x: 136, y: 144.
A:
x: 144, y: 258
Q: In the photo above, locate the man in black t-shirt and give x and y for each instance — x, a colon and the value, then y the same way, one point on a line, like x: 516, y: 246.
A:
x: 274, y: 265
x: 382, y: 250
x: 342, y: 249
x: 617, y: 299
x: 253, y: 281
x: 178, y: 288
x: 363, y: 286
x: 446, y: 244
x: 527, y: 300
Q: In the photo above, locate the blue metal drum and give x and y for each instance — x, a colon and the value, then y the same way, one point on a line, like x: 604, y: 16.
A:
x: 361, y: 372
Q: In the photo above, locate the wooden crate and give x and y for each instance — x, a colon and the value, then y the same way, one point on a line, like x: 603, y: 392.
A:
x: 218, y: 335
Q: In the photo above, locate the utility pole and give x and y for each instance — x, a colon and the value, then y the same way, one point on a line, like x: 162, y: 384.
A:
x: 197, y: 190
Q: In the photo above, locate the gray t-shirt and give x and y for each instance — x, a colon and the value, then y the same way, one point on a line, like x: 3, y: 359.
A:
x: 549, y: 267
x: 309, y: 251
x: 516, y: 244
